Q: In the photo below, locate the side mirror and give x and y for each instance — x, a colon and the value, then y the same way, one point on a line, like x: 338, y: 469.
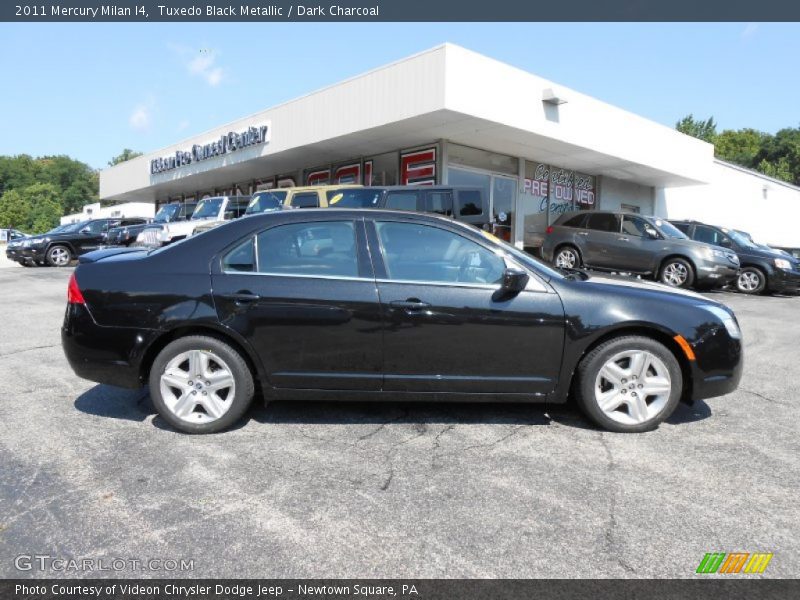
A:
x: 651, y: 233
x: 514, y: 281
x: 85, y: 230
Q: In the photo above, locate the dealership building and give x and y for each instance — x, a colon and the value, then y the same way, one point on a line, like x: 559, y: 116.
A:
x: 451, y: 116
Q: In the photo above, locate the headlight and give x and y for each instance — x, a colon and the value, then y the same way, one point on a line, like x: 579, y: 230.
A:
x: 727, y: 319
x: 39, y: 242
x: 713, y: 253
x: 782, y: 263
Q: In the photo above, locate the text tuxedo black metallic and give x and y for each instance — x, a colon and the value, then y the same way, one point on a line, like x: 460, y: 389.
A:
x: 372, y: 304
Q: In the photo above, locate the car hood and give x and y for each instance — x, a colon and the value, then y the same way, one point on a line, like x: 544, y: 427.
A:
x: 621, y: 281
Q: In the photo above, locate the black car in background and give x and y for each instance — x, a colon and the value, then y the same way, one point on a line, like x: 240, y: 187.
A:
x: 59, y: 248
x: 763, y: 269
x: 334, y: 304
x: 632, y: 243
x: 124, y: 235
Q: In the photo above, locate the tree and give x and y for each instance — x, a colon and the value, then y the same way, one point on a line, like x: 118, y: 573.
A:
x: 703, y: 130
x: 14, y: 211
x: 740, y: 146
x: 780, y: 170
x: 45, y: 207
x: 126, y: 154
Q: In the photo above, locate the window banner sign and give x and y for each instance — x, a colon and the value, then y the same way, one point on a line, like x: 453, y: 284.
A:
x: 418, y: 167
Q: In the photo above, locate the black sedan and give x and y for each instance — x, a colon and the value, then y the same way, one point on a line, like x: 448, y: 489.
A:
x: 383, y: 305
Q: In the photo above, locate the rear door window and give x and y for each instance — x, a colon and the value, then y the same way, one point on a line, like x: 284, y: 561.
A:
x: 439, y: 202
x: 576, y: 221
x: 325, y: 248
x: 402, y: 200
x: 603, y: 222
x: 305, y: 200
x: 469, y: 203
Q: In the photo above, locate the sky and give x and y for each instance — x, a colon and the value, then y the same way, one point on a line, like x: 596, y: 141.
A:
x: 90, y: 90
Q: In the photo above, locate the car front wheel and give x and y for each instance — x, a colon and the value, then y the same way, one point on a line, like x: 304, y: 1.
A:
x: 677, y: 272
x: 200, y: 384
x: 629, y: 384
x: 59, y: 256
x: 751, y: 281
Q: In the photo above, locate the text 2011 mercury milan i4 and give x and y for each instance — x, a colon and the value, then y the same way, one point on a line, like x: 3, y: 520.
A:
x: 374, y: 304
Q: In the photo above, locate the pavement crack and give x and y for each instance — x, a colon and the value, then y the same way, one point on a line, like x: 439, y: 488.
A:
x: 763, y: 397
x: 382, y: 426
x: 30, y: 349
x: 612, y: 544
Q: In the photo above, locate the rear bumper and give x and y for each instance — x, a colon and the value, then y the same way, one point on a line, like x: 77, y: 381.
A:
x: 109, y: 355
x: 784, y: 282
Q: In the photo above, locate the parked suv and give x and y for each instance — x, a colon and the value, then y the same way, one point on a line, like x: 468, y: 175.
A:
x: 763, y: 269
x: 58, y: 248
x: 218, y: 208
x: 637, y: 244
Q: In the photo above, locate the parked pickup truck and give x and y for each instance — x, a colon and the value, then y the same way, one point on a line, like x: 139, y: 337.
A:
x: 218, y: 208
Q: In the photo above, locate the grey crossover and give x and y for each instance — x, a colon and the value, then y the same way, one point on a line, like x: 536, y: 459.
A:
x: 627, y: 242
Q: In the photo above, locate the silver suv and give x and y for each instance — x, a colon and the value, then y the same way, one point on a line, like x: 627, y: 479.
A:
x: 631, y: 243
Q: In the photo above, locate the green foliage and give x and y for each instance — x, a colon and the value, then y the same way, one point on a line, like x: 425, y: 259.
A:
x: 776, y: 155
x: 704, y: 130
x: 35, y: 192
x: 33, y: 209
x: 14, y: 210
x: 126, y: 154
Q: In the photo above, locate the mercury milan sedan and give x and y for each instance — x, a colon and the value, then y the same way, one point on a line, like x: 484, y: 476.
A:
x: 338, y: 304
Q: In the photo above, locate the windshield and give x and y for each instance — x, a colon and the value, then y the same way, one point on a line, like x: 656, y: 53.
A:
x: 58, y: 229
x: 74, y: 227
x: 207, y: 208
x: 264, y: 201
x: 166, y: 213
x: 669, y: 230
x: 743, y: 239
x: 354, y: 198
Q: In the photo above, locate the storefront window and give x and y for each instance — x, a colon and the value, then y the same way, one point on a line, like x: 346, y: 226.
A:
x: 499, y: 191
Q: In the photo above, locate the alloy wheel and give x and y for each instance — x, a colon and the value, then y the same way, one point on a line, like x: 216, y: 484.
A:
x: 749, y: 281
x: 633, y: 387
x: 566, y: 259
x: 675, y: 274
x: 59, y: 256
x: 197, y: 386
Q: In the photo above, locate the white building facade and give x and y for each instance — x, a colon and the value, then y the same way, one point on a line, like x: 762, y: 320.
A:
x: 121, y: 210
x: 451, y: 116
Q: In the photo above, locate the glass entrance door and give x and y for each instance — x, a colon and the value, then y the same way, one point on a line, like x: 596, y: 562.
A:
x: 504, y: 197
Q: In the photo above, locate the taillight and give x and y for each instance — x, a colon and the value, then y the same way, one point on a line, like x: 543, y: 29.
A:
x: 549, y: 230
x: 74, y: 295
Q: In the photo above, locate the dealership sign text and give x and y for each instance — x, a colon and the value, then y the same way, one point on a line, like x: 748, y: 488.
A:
x: 226, y: 143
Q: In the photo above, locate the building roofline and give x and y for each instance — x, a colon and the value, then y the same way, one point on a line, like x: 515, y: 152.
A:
x: 758, y: 174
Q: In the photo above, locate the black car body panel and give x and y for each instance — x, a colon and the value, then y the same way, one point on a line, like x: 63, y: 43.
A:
x: 368, y: 335
x: 781, y: 280
x: 625, y: 248
x: 125, y: 235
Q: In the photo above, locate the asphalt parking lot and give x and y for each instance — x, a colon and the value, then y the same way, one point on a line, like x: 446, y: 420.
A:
x: 391, y: 490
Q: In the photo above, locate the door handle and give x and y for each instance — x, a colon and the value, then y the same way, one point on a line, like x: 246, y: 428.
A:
x: 624, y: 239
x: 583, y: 233
x: 242, y: 297
x: 410, y: 305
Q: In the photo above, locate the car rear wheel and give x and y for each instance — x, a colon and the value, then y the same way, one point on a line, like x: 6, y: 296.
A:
x: 200, y: 384
x: 629, y: 384
x: 677, y: 272
x: 751, y: 281
x: 59, y: 256
x: 567, y: 257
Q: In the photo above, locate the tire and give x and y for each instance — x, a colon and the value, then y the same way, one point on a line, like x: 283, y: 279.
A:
x: 677, y: 272
x: 59, y: 256
x: 636, y: 361
x: 207, y: 404
x: 568, y: 256
x: 751, y: 280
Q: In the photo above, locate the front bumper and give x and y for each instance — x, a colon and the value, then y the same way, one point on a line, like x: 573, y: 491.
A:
x: 717, y: 274
x: 784, y: 282
x: 109, y: 355
x: 35, y: 253
x: 719, y: 363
